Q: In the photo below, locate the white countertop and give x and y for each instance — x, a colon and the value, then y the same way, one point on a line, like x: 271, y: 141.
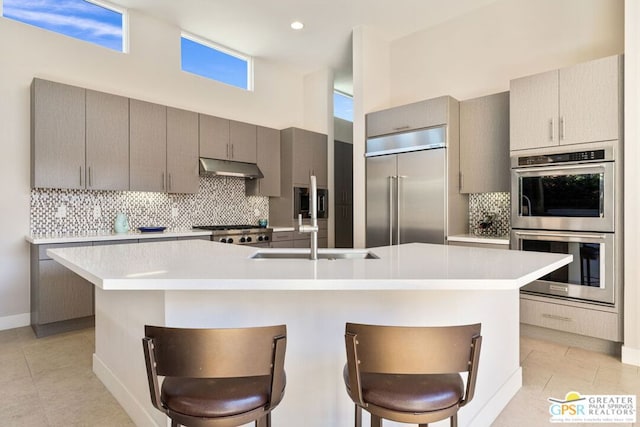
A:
x: 79, y: 238
x: 474, y: 238
x: 202, y: 265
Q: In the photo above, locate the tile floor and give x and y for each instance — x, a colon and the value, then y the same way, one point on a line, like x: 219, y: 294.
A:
x: 49, y: 381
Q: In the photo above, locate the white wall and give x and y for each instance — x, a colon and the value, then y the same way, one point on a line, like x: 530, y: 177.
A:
x: 478, y: 53
x: 631, y: 348
x: 151, y: 71
x: 371, y: 91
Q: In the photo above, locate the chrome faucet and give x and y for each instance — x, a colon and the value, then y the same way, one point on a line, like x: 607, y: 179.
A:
x: 313, y: 227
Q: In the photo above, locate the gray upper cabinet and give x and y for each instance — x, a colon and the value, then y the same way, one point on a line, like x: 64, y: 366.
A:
x: 484, y: 144
x: 418, y: 115
x: 182, y: 151
x: 107, y: 141
x: 57, y: 135
x: 309, y: 150
x: 147, y: 144
x: 268, y: 157
x: 572, y: 105
x: 214, y: 137
x: 227, y: 139
x: 242, y: 142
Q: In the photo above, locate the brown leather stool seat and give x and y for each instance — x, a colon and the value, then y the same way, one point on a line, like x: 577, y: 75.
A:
x: 410, y: 393
x: 216, y: 377
x: 215, y: 397
x: 411, y: 374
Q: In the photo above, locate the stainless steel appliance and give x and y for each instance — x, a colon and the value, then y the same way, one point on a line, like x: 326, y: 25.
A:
x: 407, y: 188
x: 242, y: 234
x: 591, y: 276
x: 570, y: 202
x: 302, y: 202
x: 565, y: 191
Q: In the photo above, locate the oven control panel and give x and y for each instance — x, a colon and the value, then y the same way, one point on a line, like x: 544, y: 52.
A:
x: 576, y: 156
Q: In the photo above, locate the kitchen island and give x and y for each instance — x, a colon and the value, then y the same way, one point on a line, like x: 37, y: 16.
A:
x: 207, y: 284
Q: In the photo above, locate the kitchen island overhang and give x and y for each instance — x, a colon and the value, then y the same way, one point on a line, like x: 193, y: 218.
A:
x: 205, y: 284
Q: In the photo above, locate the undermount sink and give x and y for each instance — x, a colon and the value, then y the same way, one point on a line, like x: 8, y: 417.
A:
x: 328, y: 254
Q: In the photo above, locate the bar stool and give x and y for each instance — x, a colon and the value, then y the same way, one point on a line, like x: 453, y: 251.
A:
x: 216, y: 377
x: 410, y: 374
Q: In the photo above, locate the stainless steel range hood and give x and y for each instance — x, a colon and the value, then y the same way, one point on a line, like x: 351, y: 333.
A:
x: 215, y: 167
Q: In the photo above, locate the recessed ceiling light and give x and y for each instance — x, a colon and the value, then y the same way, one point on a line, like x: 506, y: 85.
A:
x: 297, y: 25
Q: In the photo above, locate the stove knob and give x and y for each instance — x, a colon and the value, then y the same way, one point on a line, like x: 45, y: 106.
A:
x: 242, y: 240
x: 260, y: 238
x: 229, y: 240
x: 266, y: 238
x: 249, y: 239
x: 223, y: 240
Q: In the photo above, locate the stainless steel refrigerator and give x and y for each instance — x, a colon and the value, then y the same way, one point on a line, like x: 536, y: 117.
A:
x: 407, y: 188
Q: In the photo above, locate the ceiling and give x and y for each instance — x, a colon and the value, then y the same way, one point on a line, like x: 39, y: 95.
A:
x: 261, y: 28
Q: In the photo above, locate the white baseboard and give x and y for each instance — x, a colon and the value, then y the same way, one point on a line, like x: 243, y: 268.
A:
x: 132, y: 407
x: 498, y: 402
x: 15, y: 321
x: 630, y: 356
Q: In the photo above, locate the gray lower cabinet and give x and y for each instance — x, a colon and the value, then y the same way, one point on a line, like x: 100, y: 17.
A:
x: 147, y: 145
x: 484, y: 144
x: 577, y: 318
x: 60, y: 299
x: 268, y: 148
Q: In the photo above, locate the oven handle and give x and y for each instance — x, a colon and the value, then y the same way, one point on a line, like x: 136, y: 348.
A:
x: 560, y: 167
x: 562, y: 235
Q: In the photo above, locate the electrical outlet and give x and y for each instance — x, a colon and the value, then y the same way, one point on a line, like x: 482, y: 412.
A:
x: 97, y: 212
x: 61, y: 212
x: 174, y: 212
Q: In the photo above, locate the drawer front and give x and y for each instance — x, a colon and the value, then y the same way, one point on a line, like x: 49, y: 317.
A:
x: 42, y: 249
x: 577, y: 320
x: 282, y: 235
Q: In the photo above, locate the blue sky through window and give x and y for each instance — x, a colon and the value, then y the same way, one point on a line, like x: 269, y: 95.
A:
x: 206, y: 61
x: 342, y: 106
x: 75, y: 18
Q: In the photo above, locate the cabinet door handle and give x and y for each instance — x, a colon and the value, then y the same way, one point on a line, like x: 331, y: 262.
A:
x: 551, y: 132
x: 402, y: 127
x: 232, y: 151
x: 461, y: 181
x: 89, y: 180
x: 169, y: 182
x: 228, y: 152
x: 556, y: 317
x: 80, y: 176
x: 562, y: 128
x: 162, y: 181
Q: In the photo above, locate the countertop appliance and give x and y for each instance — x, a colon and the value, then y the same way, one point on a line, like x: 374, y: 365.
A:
x: 242, y: 234
x: 407, y: 187
x: 570, y: 202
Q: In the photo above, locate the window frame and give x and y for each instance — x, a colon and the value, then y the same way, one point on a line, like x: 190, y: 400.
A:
x: 225, y: 50
x: 345, y: 95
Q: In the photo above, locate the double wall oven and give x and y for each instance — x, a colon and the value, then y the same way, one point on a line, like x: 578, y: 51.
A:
x: 568, y: 202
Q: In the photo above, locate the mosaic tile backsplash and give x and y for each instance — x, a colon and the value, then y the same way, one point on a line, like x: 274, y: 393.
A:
x: 489, y: 214
x: 219, y: 200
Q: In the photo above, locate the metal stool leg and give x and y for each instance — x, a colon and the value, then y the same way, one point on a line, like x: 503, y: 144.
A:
x: 376, y: 421
x: 454, y: 420
x: 358, y: 416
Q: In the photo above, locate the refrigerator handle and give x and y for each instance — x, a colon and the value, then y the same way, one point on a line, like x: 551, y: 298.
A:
x: 390, y: 210
x: 399, y: 198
